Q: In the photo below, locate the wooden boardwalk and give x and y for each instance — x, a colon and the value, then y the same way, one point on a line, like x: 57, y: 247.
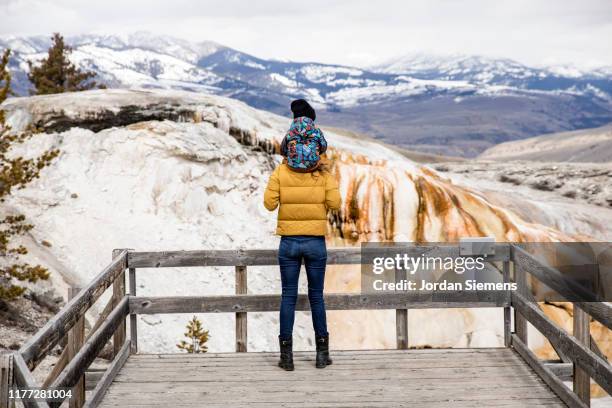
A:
x: 383, y: 378
x: 511, y: 376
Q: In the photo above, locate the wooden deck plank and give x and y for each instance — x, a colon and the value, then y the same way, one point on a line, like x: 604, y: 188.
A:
x: 437, y: 351
x: 532, y: 403
x: 378, y: 378
x: 235, y: 376
x: 351, y: 360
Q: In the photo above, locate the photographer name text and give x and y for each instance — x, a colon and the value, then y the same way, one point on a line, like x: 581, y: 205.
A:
x: 422, y: 285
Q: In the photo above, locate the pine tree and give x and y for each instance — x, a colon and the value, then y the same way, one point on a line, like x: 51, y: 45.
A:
x: 15, y: 173
x: 56, y: 74
x: 197, y: 337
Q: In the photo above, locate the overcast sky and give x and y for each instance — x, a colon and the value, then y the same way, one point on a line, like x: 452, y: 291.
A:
x: 536, y: 32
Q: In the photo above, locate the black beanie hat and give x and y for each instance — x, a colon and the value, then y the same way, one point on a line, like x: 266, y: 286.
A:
x: 300, y: 107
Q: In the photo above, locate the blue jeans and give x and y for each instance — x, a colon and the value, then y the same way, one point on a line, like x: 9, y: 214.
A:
x: 292, y: 250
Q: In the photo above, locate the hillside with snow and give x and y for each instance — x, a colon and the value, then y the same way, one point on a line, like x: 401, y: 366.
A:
x: 497, y: 71
x: 171, y: 170
x: 447, y: 105
x: 587, y: 146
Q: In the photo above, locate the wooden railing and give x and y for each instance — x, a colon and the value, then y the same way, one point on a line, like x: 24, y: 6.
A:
x: 580, y: 358
x: 579, y: 349
x: 241, y: 304
x: 80, y: 352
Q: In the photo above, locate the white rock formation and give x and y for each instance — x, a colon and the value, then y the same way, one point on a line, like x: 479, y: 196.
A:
x: 169, y: 170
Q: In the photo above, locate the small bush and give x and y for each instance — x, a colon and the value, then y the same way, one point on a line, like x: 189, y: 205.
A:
x: 196, y: 337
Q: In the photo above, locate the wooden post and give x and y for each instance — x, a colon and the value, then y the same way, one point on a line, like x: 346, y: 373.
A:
x: 241, y: 317
x: 582, y: 382
x: 507, y: 309
x: 6, y: 378
x: 520, y: 323
x: 118, y: 294
x: 133, y: 316
x: 401, y: 318
x: 76, y: 338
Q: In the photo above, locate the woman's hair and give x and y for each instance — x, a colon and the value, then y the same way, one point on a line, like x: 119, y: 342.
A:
x: 320, y: 170
x: 323, y: 167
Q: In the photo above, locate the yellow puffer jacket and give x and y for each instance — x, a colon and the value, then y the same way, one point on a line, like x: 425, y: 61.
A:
x: 304, y: 200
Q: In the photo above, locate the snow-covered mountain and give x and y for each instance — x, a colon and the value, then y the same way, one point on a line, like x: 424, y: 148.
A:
x: 452, y: 105
x: 504, y: 72
x: 147, y: 60
x: 170, y: 170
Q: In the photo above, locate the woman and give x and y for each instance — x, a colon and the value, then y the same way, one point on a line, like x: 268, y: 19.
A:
x: 305, y: 191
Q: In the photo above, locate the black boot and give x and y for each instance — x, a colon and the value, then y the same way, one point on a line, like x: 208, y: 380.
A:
x: 286, y: 354
x: 323, y: 359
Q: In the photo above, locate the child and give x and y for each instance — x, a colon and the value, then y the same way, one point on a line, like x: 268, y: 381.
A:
x: 304, y: 143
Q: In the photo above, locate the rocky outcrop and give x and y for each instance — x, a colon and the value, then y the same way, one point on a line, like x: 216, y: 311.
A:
x: 572, y: 197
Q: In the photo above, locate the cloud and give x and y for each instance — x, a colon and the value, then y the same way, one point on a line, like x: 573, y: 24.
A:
x: 348, y: 32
